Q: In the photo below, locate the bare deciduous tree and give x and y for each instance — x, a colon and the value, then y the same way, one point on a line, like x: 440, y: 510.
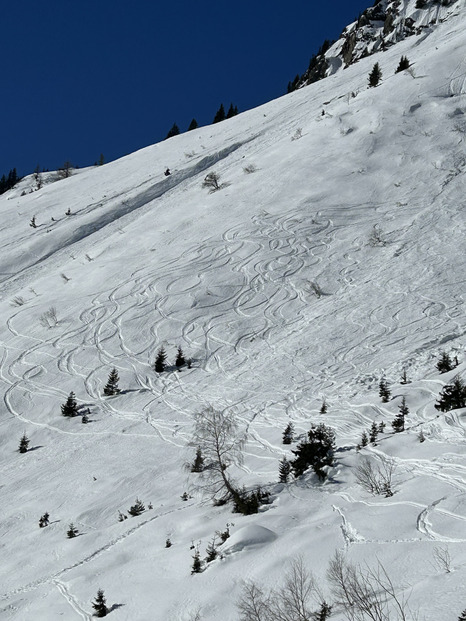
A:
x: 290, y: 602
x: 365, y: 593
x: 442, y: 558
x: 217, y: 434
x: 376, y: 479
x: 212, y: 182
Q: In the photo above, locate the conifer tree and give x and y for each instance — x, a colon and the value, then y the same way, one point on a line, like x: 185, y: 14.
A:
x: 232, y: 111
x: 404, y: 64
x: 137, y: 508
x: 211, y: 551
x: 284, y: 470
x: 160, y: 361
x: 398, y: 423
x: 384, y: 391
x: 72, y: 531
x: 100, y: 604
x: 174, y: 131
x: 70, y: 408
x: 198, y: 464
x: 462, y: 616
x: 364, y: 439
x: 373, y: 433
x: 111, y: 387
x: 375, y: 76
x: 452, y: 396
x: 316, y: 452
x: 193, y: 125
x: 44, y: 520
x: 323, y: 407
x: 180, y: 359
x: 445, y: 363
x: 288, y: 434
x: 404, y: 379
x: 197, y: 563
x: 23, y: 443
x: 219, y: 115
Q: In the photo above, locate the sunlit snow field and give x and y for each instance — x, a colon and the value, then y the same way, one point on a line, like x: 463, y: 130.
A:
x: 275, y: 288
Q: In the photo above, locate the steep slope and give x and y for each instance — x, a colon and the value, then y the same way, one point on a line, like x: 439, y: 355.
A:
x: 379, y: 27
x: 333, y: 255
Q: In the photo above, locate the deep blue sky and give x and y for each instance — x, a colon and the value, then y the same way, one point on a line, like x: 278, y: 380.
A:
x: 112, y: 76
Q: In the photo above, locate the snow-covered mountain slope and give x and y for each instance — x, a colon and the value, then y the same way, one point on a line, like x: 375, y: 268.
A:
x: 333, y: 255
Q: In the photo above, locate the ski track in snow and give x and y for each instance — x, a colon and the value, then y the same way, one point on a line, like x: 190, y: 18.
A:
x: 278, y: 309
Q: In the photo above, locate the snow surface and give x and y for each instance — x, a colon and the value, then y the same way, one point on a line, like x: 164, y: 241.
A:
x: 272, y: 287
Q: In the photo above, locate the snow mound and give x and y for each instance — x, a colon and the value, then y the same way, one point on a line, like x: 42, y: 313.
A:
x: 248, y: 537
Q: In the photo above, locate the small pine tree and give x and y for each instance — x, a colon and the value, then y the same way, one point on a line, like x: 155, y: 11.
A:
x: 193, y: 125
x: 404, y: 378
x: 197, y: 563
x: 462, y: 616
x: 111, y: 387
x: 198, y: 463
x: 100, y: 604
x: 219, y: 115
x: 180, y: 359
x: 85, y: 418
x: 174, y: 131
x: 373, y: 433
x: 44, y: 520
x: 381, y: 427
x: 398, y: 423
x: 168, y: 543
x: 364, y: 439
x: 324, y: 612
x: 452, y: 396
x: 211, y: 551
x: 137, y: 508
x: 70, y: 408
x: 33, y: 222
x: 445, y: 363
x: 288, y: 434
x: 384, y: 391
x: 23, y: 443
x: 284, y: 470
x: 375, y: 76
x: 232, y: 111
x: 323, y: 407
x: 122, y: 516
x: 72, y: 531
x: 160, y: 361
x: 404, y: 64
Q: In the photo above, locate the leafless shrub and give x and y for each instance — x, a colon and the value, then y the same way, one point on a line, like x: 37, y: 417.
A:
x: 364, y: 592
x: 290, y: 602
x: 49, y: 318
x: 376, y: 479
x: 212, y: 182
x: 18, y: 301
x: 376, y: 237
x: 298, y: 134
x: 442, y: 558
x: 315, y: 288
x: 249, y: 169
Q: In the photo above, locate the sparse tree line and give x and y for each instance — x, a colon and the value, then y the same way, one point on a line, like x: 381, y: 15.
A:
x: 220, y: 115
